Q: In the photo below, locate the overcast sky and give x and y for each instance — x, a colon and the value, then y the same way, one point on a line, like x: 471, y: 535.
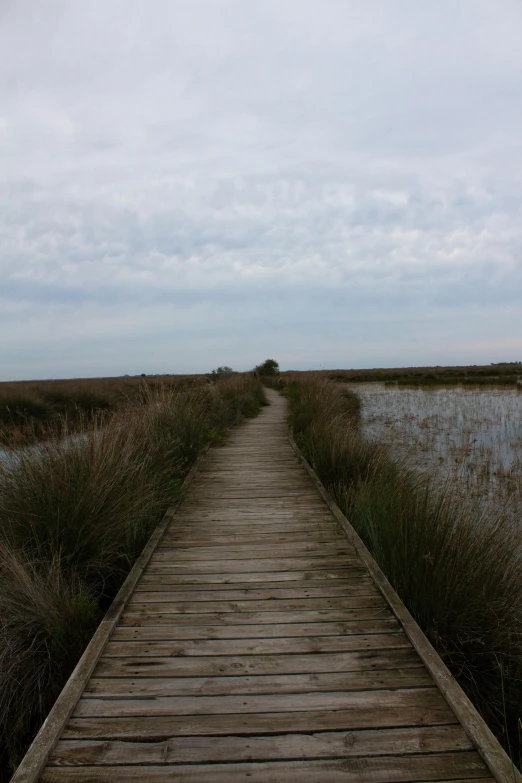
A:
x: 331, y: 183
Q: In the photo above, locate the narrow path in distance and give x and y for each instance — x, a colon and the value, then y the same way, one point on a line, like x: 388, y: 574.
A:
x: 256, y: 647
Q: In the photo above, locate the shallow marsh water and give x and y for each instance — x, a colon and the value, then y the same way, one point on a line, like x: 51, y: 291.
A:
x: 472, y: 433
x: 9, y: 457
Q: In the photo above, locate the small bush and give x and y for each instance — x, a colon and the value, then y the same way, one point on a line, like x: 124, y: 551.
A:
x: 269, y: 368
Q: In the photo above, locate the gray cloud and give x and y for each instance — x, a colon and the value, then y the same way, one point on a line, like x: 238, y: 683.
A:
x: 185, y: 185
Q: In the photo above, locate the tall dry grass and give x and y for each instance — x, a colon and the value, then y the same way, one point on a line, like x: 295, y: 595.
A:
x: 32, y: 410
x: 457, y: 565
x: 75, y: 512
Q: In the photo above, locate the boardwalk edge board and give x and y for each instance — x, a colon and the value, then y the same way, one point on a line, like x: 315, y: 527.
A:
x: 492, y: 752
x: 35, y: 760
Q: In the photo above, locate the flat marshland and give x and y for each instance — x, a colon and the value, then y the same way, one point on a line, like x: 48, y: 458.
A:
x: 471, y: 434
x: 508, y: 374
x: 76, y: 509
x: 33, y: 410
x: 431, y: 482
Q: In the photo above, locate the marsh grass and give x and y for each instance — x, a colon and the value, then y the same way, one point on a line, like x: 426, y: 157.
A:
x: 47, y: 620
x: 75, y: 512
x: 32, y: 410
x: 456, y: 563
x: 509, y: 374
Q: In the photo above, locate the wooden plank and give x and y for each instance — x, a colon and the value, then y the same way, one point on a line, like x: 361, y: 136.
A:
x: 244, y: 511
x: 158, y: 727
x: 328, y: 771
x: 366, y: 627
x: 196, y: 537
x: 278, y: 495
x: 175, y: 584
x: 244, y: 551
x: 241, y: 520
x: 212, y: 534
x: 284, y: 605
x: 272, y: 547
x: 267, y: 577
x: 302, y: 503
x: 148, y: 594
x: 185, y: 541
x: 163, y: 706
x: 246, y: 618
x: 260, y: 564
x: 239, y: 665
x: 207, y: 529
x: 276, y: 646
x: 257, y: 499
x: 176, y: 750
x: 286, y: 683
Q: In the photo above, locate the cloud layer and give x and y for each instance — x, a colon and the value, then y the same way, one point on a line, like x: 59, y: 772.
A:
x: 188, y: 185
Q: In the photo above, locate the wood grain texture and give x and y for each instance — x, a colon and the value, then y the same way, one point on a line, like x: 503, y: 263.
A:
x: 176, y: 750
x: 130, y: 687
x: 384, y: 769
x: 253, y: 631
x: 257, y: 646
x: 161, y: 727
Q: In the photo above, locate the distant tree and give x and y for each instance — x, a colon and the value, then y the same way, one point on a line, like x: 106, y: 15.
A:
x: 269, y: 367
x: 223, y: 370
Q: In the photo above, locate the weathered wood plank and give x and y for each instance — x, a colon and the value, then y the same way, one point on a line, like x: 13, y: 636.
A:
x: 289, y: 604
x: 328, y: 771
x: 247, y: 618
x: 175, y: 584
x: 151, y: 706
x: 267, y: 577
x: 287, y: 683
x: 237, y: 665
x: 251, y: 551
x: 148, y: 594
x: 183, y: 539
x: 252, y: 526
x: 366, y: 627
x: 176, y: 750
x: 158, y: 727
x: 163, y: 563
x: 277, y: 646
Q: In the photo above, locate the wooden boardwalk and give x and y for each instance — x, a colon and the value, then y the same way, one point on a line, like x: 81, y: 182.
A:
x: 256, y: 647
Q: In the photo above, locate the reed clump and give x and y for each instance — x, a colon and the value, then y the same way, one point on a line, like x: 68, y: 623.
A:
x: 455, y: 563
x: 75, y: 512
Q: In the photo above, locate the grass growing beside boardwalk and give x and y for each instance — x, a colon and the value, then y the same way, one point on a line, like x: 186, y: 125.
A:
x: 32, y: 410
x: 455, y: 564
x: 74, y: 515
